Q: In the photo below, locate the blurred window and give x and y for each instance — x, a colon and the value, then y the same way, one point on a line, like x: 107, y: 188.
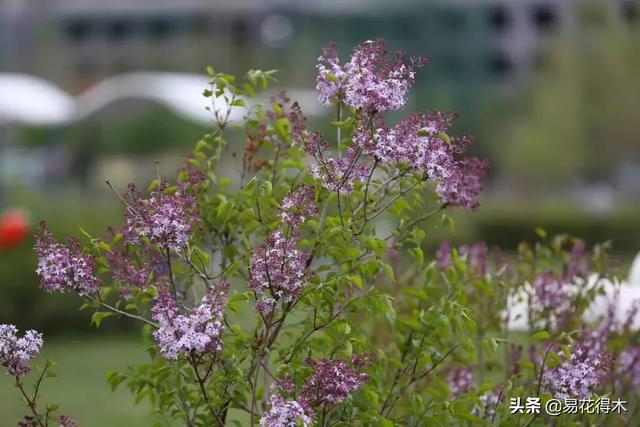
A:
x: 453, y: 20
x: 499, y: 18
x: 78, y: 30
x: 120, y: 29
x: 544, y: 17
x: 160, y: 28
x: 239, y: 32
x: 630, y: 11
x: 500, y: 65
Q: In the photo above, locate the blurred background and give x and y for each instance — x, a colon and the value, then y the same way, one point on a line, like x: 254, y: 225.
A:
x: 93, y: 90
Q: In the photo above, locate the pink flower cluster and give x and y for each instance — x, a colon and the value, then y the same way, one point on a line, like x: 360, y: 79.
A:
x: 64, y: 267
x: 14, y: 351
x: 285, y: 413
x: 165, y: 219
x: 579, y: 375
x: 371, y: 80
x: 199, y: 330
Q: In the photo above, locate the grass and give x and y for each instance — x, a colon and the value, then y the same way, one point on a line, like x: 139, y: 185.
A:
x: 81, y: 388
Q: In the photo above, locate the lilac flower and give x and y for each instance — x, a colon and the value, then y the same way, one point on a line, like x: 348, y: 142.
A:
x: 64, y: 267
x: 550, y: 294
x: 65, y: 421
x: 579, y: 375
x: 628, y: 367
x: 285, y: 413
x: 14, y: 351
x: 340, y: 174
x: 375, y: 81
x: 443, y: 255
x: 199, y: 330
x: 463, y: 185
x: 28, y: 421
x: 488, y: 403
x: 297, y: 206
x: 333, y: 380
x: 331, y: 76
x: 477, y: 256
x: 278, y: 271
x: 414, y: 141
x: 165, y: 219
x: 578, y: 264
x: 125, y: 271
x: 460, y: 380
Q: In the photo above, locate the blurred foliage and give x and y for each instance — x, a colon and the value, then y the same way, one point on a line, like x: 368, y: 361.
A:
x: 81, y: 366
x: 578, y: 118
x: 21, y: 301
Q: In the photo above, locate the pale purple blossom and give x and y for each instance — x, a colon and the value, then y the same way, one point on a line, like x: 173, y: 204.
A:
x: 298, y: 206
x: 331, y: 77
x: 488, y: 403
x: 578, y: 376
x: 443, y: 255
x: 332, y: 381
x: 65, y: 421
x: 15, y: 352
x: 165, y: 219
x: 628, y: 367
x: 550, y: 295
x: 285, y: 413
x: 371, y: 80
x: 278, y: 271
x: 416, y: 141
x: 477, y: 257
x: 340, y: 174
x: 460, y: 380
x: 64, y: 267
x: 198, y: 330
x: 463, y: 185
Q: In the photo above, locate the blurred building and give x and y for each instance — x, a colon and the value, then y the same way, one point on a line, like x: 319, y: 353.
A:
x: 76, y: 42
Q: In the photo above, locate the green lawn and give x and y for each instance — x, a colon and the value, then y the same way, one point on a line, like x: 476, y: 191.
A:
x: 81, y: 388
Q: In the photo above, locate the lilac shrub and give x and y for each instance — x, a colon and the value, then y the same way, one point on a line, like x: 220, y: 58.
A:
x: 299, y: 294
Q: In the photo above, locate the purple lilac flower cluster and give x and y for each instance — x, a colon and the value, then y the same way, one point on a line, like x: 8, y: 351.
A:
x: 477, y: 255
x: 460, y: 380
x: 488, y: 403
x: 285, y: 413
x: 297, y: 206
x: 580, y: 374
x: 278, y: 268
x: 333, y: 380
x: 330, y: 383
x: 198, y: 331
x: 552, y: 291
x: 65, y: 421
x: 64, y: 267
x: 372, y: 80
x: 278, y: 271
x: 628, y: 366
x: 165, y: 219
x: 14, y: 351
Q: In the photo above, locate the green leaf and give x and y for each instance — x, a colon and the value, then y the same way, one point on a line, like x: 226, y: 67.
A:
x: 541, y: 336
x: 99, y: 316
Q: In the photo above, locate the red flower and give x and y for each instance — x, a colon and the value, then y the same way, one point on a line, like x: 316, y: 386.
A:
x: 14, y: 227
